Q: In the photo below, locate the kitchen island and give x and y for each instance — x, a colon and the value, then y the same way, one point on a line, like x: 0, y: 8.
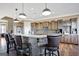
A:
x: 36, y: 41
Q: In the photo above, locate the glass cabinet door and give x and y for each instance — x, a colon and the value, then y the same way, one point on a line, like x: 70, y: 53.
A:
x: 19, y: 30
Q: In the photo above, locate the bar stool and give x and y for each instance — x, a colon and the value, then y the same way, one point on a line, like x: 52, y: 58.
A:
x: 12, y: 41
x: 7, y: 41
x: 21, y: 48
x: 53, y: 45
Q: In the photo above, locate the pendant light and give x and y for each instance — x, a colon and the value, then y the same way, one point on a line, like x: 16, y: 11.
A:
x: 46, y: 11
x: 16, y: 20
x: 22, y: 14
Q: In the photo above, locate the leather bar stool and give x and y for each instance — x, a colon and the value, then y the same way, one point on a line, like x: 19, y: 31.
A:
x: 53, y: 45
x: 22, y: 48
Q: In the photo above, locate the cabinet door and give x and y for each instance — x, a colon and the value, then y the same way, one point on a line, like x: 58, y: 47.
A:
x: 40, y: 25
x: 55, y: 26
x: 33, y: 25
x: 37, y: 26
x: 45, y: 24
x: 50, y: 25
x: 74, y: 39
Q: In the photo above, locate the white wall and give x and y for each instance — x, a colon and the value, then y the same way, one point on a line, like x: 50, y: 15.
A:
x: 78, y: 25
x: 27, y: 27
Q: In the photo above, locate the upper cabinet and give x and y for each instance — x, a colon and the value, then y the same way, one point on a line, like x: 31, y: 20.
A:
x: 40, y: 25
x: 54, y: 25
x: 34, y: 25
x: 68, y: 25
x: 48, y: 25
x: 19, y: 28
x: 45, y: 24
x: 65, y: 25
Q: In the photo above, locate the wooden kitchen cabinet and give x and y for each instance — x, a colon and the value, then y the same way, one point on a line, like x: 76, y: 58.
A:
x: 45, y: 24
x: 54, y: 25
x: 41, y: 25
x: 33, y: 25
x: 50, y: 26
x: 37, y: 25
x: 20, y: 24
x: 74, y: 38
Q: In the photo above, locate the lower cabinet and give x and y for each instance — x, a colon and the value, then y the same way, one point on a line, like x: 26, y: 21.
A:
x: 73, y: 39
x: 36, y: 45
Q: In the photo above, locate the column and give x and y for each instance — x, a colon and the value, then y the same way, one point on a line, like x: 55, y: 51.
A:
x: 27, y: 27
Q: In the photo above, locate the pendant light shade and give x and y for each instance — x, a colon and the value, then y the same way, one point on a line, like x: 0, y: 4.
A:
x: 46, y: 11
x: 22, y: 14
x: 16, y: 20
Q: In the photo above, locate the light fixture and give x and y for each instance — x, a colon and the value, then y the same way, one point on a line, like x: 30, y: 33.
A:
x: 16, y: 20
x: 22, y: 14
x: 46, y: 11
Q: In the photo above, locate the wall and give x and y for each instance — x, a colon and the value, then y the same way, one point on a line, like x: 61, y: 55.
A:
x: 78, y: 25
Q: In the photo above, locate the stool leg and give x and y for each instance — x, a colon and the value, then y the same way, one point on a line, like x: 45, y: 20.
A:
x: 8, y: 48
x: 58, y: 52
x: 52, y: 53
x: 45, y: 52
x: 29, y: 51
x: 49, y: 53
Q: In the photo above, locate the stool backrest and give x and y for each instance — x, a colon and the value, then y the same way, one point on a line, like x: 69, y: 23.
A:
x: 10, y: 36
x: 2, y: 35
x: 6, y: 37
x: 53, y: 41
x: 18, y: 41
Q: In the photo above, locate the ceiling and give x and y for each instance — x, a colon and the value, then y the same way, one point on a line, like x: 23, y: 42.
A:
x: 34, y: 10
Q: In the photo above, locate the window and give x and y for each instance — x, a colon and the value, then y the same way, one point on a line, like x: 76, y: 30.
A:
x: 2, y: 28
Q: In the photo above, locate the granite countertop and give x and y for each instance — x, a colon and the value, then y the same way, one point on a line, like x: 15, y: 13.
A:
x: 55, y: 34
x: 33, y: 36
x: 38, y: 36
x: 68, y: 34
